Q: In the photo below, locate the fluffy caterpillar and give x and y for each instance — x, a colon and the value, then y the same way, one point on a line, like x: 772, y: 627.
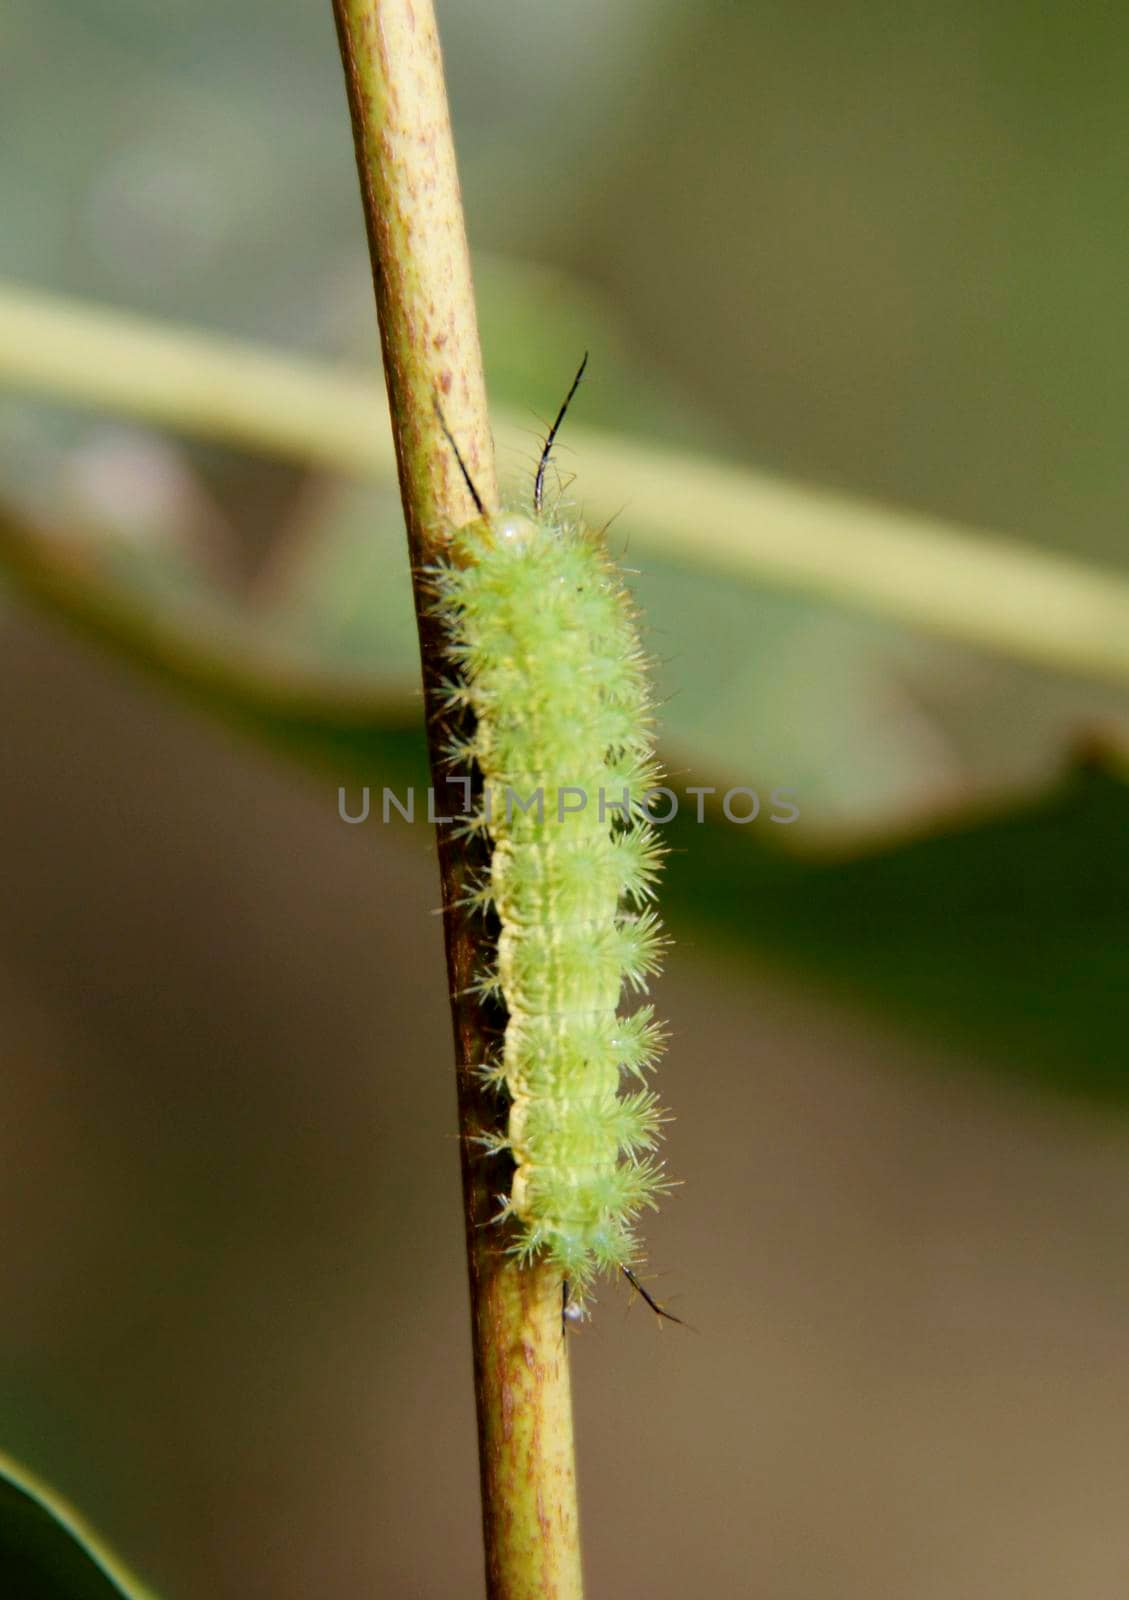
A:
x: 545, y: 652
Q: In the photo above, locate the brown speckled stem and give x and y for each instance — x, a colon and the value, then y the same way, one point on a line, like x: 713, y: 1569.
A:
x: 429, y: 335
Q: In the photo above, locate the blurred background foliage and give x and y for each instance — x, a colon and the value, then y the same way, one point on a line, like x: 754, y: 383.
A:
x: 877, y: 248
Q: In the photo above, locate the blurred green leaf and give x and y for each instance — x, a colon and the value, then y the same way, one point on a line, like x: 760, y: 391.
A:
x: 949, y: 863
x: 883, y: 728
x: 1005, y: 934
x: 987, y: 592
x: 46, y: 1550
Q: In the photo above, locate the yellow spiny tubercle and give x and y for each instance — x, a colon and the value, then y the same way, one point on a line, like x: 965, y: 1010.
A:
x: 542, y: 636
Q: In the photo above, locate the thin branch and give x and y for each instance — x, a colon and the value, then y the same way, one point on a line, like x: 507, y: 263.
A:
x: 197, y: 383
x: 429, y: 335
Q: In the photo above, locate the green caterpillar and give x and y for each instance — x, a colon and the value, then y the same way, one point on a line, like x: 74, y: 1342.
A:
x: 546, y: 655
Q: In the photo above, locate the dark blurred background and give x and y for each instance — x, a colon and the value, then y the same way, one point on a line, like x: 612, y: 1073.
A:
x: 876, y: 247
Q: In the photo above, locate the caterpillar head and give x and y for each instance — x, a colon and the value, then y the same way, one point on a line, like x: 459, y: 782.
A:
x: 511, y: 531
x: 514, y: 531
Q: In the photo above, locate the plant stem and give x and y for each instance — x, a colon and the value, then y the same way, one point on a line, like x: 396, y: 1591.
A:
x: 429, y: 336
